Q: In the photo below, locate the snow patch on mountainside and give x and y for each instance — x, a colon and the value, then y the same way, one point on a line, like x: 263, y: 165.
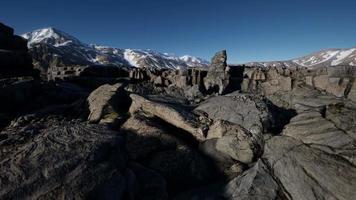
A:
x: 129, y: 55
x: 325, y: 58
x: 341, y: 56
x: 51, y: 36
x: 77, y: 52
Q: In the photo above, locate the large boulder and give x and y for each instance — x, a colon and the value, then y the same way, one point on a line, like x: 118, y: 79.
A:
x: 106, y: 103
x: 248, y: 111
x: 255, y: 183
x: 176, y: 116
x: 217, y: 79
x: 233, y: 141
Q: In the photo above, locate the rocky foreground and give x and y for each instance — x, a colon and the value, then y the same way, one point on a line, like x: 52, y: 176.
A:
x: 227, y: 132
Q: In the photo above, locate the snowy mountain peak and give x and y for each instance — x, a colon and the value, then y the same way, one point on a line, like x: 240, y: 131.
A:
x: 74, y: 52
x: 50, y: 36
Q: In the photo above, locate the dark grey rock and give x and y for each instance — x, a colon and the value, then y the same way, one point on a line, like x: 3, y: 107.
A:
x: 256, y: 183
x: 217, y: 79
x: 107, y: 103
x: 246, y: 110
x: 51, y: 159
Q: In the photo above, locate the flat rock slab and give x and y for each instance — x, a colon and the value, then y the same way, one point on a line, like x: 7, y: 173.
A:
x: 306, y: 172
x: 314, y: 130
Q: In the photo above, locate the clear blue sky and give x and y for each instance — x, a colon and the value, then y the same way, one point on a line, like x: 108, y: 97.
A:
x: 250, y: 30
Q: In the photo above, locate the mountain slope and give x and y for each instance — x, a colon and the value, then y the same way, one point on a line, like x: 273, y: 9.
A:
x: 52, y: 47
x: 324, y: 58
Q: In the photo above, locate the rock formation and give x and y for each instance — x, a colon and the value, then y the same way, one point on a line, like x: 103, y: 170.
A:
x: 14, y: 58
x: 227, y: 132
x: 250, y: 113
x: 106, y: 103
x: 179, y: 118
x: 217, y: 78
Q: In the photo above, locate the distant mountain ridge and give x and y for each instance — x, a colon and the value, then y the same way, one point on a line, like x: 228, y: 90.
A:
x: 324, y: 58
x: 50, y: 46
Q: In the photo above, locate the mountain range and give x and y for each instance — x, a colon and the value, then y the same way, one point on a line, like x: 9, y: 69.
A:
x: 53, y: 47
x: 324, y: 58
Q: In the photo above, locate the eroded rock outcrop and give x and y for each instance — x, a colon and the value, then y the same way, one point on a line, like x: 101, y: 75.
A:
x: 14, y: 58
x: 217, y: 79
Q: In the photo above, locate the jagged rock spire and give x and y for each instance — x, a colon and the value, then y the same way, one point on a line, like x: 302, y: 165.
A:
x: 218, y: 62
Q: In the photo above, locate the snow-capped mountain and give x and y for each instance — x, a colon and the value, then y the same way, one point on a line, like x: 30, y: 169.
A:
x: 324, y: 58
x: 51, y: 47
x: 50, y: 36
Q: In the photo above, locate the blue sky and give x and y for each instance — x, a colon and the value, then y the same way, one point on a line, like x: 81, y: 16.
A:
x: 250, y: 30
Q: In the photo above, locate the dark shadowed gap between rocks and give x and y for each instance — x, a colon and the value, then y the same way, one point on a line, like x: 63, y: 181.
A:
x: 194, y: 169
x: 280, y: 116
x: 181, y: 134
